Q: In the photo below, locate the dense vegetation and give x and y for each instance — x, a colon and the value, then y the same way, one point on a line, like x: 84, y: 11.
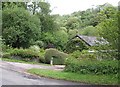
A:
x: 24, y: 25
x: 31, y: 33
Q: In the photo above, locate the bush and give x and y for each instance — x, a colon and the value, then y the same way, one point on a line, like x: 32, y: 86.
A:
x: 106, y: 52
x: 25, y: 54
x: 6, y: 48
x: 83, y: 55
x: 41, y: 55
x: 6, y: 55
x: 87, y: 66
x: 58, y: 57
x: 40, y: 44
x: 34, y: 48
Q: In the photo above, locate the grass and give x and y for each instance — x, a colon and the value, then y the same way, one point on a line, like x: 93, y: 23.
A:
x: 83, y: 78
x: 21, y: 61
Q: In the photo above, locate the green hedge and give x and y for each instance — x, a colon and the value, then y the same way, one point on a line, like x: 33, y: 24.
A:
x: 58, y: 57
x: 25, y: 54
x: 92, y: 66
x: 6, y: 55
x: 41, y: 55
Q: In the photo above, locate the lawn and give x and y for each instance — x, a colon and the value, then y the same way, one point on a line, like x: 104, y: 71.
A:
x: 83, y: 78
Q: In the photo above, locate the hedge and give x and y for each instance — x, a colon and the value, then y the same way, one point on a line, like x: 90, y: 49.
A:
x: 25, y: 54
x: 58, y: 57
x: 92, y: 66
x: 6, y: 55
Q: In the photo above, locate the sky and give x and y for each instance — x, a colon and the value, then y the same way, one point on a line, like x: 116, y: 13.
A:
x: 69, y: 6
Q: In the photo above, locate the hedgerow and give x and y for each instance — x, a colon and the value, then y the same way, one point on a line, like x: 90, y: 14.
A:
x: 85, y: 66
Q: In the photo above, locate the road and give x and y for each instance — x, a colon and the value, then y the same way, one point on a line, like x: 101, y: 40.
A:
x: 12, y: 77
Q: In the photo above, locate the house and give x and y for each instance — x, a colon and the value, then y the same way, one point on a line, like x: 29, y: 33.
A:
x: 91, y: 40
x: 82, y: 42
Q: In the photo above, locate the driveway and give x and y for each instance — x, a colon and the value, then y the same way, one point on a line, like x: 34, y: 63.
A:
x: 14, y: 75
x: 30, y: 66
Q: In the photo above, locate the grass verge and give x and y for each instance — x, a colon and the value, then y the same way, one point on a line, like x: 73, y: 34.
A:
x: 21, y: 61
x: 83, y: 78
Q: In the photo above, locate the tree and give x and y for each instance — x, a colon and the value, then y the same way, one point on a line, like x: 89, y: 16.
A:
x: 48, y: 23
x: 109, y: 30
x: 108, y: 27
x: 20, y: 29
x: 106, y: 11
x: 12, y: 4
x: 89, y: 31
x: 60, y: 38
x: 72, y: 23
x: 72, y: 33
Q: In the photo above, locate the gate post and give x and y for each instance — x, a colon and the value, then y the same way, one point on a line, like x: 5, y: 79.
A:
x: 51, y: 61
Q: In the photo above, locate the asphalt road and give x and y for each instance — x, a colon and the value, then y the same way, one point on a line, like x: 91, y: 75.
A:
x: 11, y: 77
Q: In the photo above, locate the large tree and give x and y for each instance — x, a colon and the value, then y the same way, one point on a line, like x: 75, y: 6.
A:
x: 108, y: 26
x: 20, y: 28
x: 109, y: 30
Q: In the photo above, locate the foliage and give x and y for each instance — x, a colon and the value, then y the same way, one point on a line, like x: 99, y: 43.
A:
x: 40, y: 51
x: 58, y: 57
x: 72, y: 23
x: 83, y: 55
x: 105, y: 52
x: 20, y: 29
x: 47, y: 23
x: 25, y: 54
x: 89, y: 31
x: 42, y: 55
x: 6, y: 55
x: 10, y: 4
x: 109, y: 30
x: 60, y: 39
x: 39, y: 43
x: 34, y: 48
x: 6, y: 48
x: 87, y: 66
x: 47, y: 38
x: 72, y: 33
x: 75, y: 44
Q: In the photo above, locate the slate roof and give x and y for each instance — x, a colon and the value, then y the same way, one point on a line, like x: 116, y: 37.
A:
x: 92, y: 40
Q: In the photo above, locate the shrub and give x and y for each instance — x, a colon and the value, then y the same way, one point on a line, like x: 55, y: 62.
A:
x: 41, y: 55
x: 6, y: 55
x: 58, y: 57
x: 40, y: 44
x: 83, y: 55
x: 87, y: 66
x: 34, y: 48
x: 6, y: 48
x: 25, y: 54
x: 106, y: 52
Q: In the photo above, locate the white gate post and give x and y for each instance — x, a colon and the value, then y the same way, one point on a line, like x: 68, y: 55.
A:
x: 51, y: 61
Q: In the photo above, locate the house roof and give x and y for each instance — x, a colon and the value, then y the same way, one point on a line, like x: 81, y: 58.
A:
x: 92, y: 40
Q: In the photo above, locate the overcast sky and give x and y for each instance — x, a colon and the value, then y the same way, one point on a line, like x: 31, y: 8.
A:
x: 69, y: 6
